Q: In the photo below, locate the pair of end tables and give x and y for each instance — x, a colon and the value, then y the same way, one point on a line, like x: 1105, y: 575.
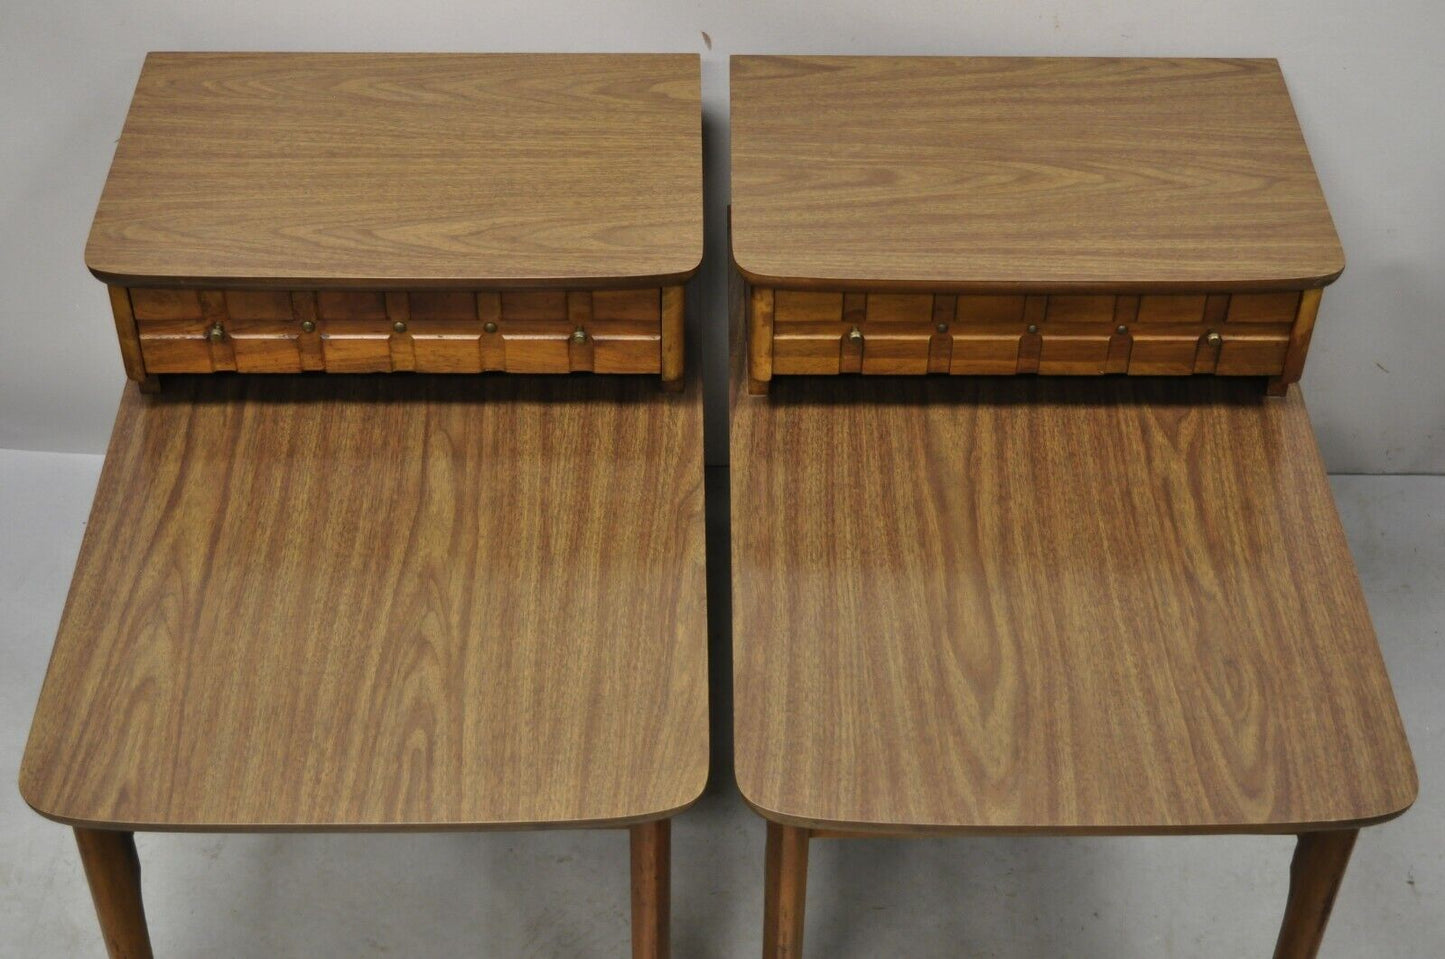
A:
x: 968, y: 604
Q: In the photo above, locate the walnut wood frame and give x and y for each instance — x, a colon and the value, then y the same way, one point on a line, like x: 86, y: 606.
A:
x: 113, y: 872
x: 1316, y: 872
x: 179, y: 330
x: 910, y: 333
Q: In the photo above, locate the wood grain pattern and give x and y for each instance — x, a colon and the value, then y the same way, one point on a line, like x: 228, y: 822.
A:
x: 1071, y: 335
x: 372, y: 331
x: 378, y: 170
x: 991, y: 174
x: 1299, y: 343
x: 112, y: 870
x: 1315, y: 875
x: 384, y: 603
x: 673, y: 346
x: 126, y: 333
x: 1120, y: 606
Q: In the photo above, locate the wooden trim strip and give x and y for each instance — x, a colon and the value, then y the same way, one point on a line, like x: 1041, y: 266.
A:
x: 129, y: 336
x: 760, y: 339
x: 1299, y: 342
x: 674, y: 322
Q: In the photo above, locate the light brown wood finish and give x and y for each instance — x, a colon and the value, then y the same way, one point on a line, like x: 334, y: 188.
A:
x: 129, y: 338
x: 1314, y: 879
x: 405, y: 171
x: 673, y: 345
x: 374, y: 331
x: 994, y: 174
x: 651, y: 845
x: 112, y: 870
x: 384, y: 603
x: 1109, y: 606
x: 785, y: 891
x: 1154, y: 217
x: 912, y: 334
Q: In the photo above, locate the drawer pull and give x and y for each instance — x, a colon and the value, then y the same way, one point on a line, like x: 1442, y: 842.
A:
x: 1213, y: 338
x: 216, y: 333
x: 308, y: 326
x: 1033, y: 328
x: 855, y: 336
x: 579, y: 335
x: 489, y: 327
x: 399, y: 326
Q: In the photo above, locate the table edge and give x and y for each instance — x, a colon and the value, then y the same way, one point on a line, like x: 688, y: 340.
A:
x: 1241, y: 828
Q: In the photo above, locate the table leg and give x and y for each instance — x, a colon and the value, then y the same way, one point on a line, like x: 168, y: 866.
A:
x: 1314, y: 878
x: 785, y: 892
x: 652, y: 889
x: 113, y: 871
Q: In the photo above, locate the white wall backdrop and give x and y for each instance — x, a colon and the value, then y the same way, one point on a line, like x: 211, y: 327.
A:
x: 1367, y: 80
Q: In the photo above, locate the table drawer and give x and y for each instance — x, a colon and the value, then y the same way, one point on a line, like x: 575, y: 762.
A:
x: 426, y: 331
x: 795, y: 332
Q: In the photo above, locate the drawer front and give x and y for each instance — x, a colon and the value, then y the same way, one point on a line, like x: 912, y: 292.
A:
x: 819, y: 332
x: 426, y: 331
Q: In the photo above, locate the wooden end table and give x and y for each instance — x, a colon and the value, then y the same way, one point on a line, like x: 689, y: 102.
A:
x: 329, y: 602
x: 1039, y: 605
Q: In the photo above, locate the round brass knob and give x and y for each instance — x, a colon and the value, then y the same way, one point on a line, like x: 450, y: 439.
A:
x: 490, y: 327
x: 399, y: 326
x: 579, y: 335
x: 308, y: 326
x: 1213, y: 339
x: 1033, y: 327
x: 1121, y: 329
x: 943, y: 327
x: 855, y: 336
x: 216, y: 333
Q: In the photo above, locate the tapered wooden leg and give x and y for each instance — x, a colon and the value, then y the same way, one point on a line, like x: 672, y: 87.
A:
x: 1315, y: 874
x: 113, y: 871
x: 785, y: 892
x: 652, y: 890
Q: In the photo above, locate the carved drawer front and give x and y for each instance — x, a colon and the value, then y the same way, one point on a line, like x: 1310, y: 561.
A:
x: 426, y: 331
x: 820, y: 332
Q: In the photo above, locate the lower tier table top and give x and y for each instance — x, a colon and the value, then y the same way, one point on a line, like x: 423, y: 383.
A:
x: 384, y: 603
x: 1026, y: 605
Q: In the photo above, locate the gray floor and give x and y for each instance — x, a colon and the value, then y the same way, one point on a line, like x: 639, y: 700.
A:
x: 565, y: 894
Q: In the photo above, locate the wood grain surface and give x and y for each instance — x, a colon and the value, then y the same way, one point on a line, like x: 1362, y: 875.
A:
x: 991, y: 174
x: 375, y: 331
x: 1111, y: 606
x: 384, y: 603
x: 270, y: 169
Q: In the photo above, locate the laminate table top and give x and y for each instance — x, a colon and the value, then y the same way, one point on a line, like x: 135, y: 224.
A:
x: 1050, y: 175
x: 1032, y: 605
x: 384, y: 603
x: 406, y: 170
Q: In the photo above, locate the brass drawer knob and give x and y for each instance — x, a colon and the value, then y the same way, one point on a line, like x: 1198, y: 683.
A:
x: 216, y: 333
x: 855, y: 336
x: 579, y: 335
x: 308, y: 326
x: 1033, y: 328
x: 399, y: 326
x: 1213, y: 339
x: 489, y: 326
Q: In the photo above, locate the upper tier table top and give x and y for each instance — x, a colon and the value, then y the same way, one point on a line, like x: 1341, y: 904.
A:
x: 384, y: 603
x: 1051, y: 175
x: 272, y: 169
x: 1027, y: 605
